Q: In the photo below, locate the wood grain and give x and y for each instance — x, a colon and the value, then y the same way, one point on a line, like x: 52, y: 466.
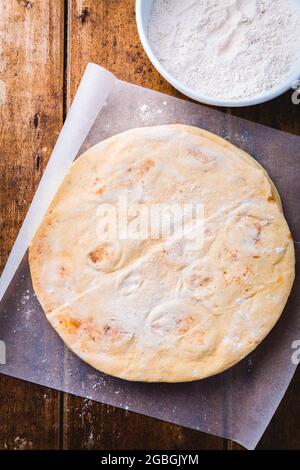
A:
x: 108, y: 36
x: 30, y: 416
x: 31, y: 113
x: 91, y: 425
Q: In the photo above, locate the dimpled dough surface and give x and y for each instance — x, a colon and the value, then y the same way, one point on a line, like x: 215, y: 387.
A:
x: 156, y: 310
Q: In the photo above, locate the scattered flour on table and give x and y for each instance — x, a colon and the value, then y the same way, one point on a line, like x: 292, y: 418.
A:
x: 228, y: 49
x: 25, y: 306
x: 22, y: 444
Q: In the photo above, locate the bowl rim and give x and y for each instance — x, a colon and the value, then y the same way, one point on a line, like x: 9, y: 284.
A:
x: 202, y: 98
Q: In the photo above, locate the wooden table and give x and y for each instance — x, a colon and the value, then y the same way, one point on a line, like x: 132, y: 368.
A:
x: 45, y: 46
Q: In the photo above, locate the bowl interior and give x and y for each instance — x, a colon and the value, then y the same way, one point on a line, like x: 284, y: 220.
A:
x: 143, y: 11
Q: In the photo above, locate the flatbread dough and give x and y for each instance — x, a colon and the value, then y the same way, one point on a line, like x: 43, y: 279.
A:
x: 161, y: 310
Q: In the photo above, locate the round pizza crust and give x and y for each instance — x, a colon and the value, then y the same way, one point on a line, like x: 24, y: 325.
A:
x: 164, y: 310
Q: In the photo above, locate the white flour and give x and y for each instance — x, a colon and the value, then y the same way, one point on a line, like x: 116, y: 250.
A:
x: 228, y: 49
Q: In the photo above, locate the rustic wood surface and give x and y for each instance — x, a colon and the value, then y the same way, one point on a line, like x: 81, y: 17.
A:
x: 45, y: 46
x: 31, y: 115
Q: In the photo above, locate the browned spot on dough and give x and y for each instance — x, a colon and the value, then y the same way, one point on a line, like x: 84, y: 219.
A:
x: 94, y: 335
x: 199, y: 281
x: 100, y: 191
x: 248, y: 271
x: 199, y: 155
x: 49, y: 308
x: 111, y: 333
x: 256, y: 257
x: 145, y: 167
x: 88, y: 330
x: 98, y: 254
x: 88, y: 327
x: 198, y: 336
x: 290, y: 237
x: 138, y: 172
x: 63, y: 272
x: 271, y: 199
x: 71, y: 325
x: 183, y: 330
x: 236, y: 279
x: 204, y: 281
x: 186, y: 325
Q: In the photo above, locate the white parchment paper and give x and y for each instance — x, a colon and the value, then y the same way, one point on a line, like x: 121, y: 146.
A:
x: 94, y: 88
x: 237, y: 404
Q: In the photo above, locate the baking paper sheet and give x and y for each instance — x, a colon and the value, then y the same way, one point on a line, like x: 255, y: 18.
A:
x: 237, y: 404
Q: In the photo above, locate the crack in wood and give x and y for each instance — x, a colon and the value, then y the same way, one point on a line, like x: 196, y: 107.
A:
x: 38, y: 161
x: 84, y: 15
x: 25, y: 3
x: 38, y: 120
x: 35, y: 120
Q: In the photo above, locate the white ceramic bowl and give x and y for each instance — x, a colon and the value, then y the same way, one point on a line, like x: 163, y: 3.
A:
x: 143, y: 10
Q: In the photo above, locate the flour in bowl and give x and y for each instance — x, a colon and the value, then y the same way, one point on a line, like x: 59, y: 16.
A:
x: 227, y: 49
